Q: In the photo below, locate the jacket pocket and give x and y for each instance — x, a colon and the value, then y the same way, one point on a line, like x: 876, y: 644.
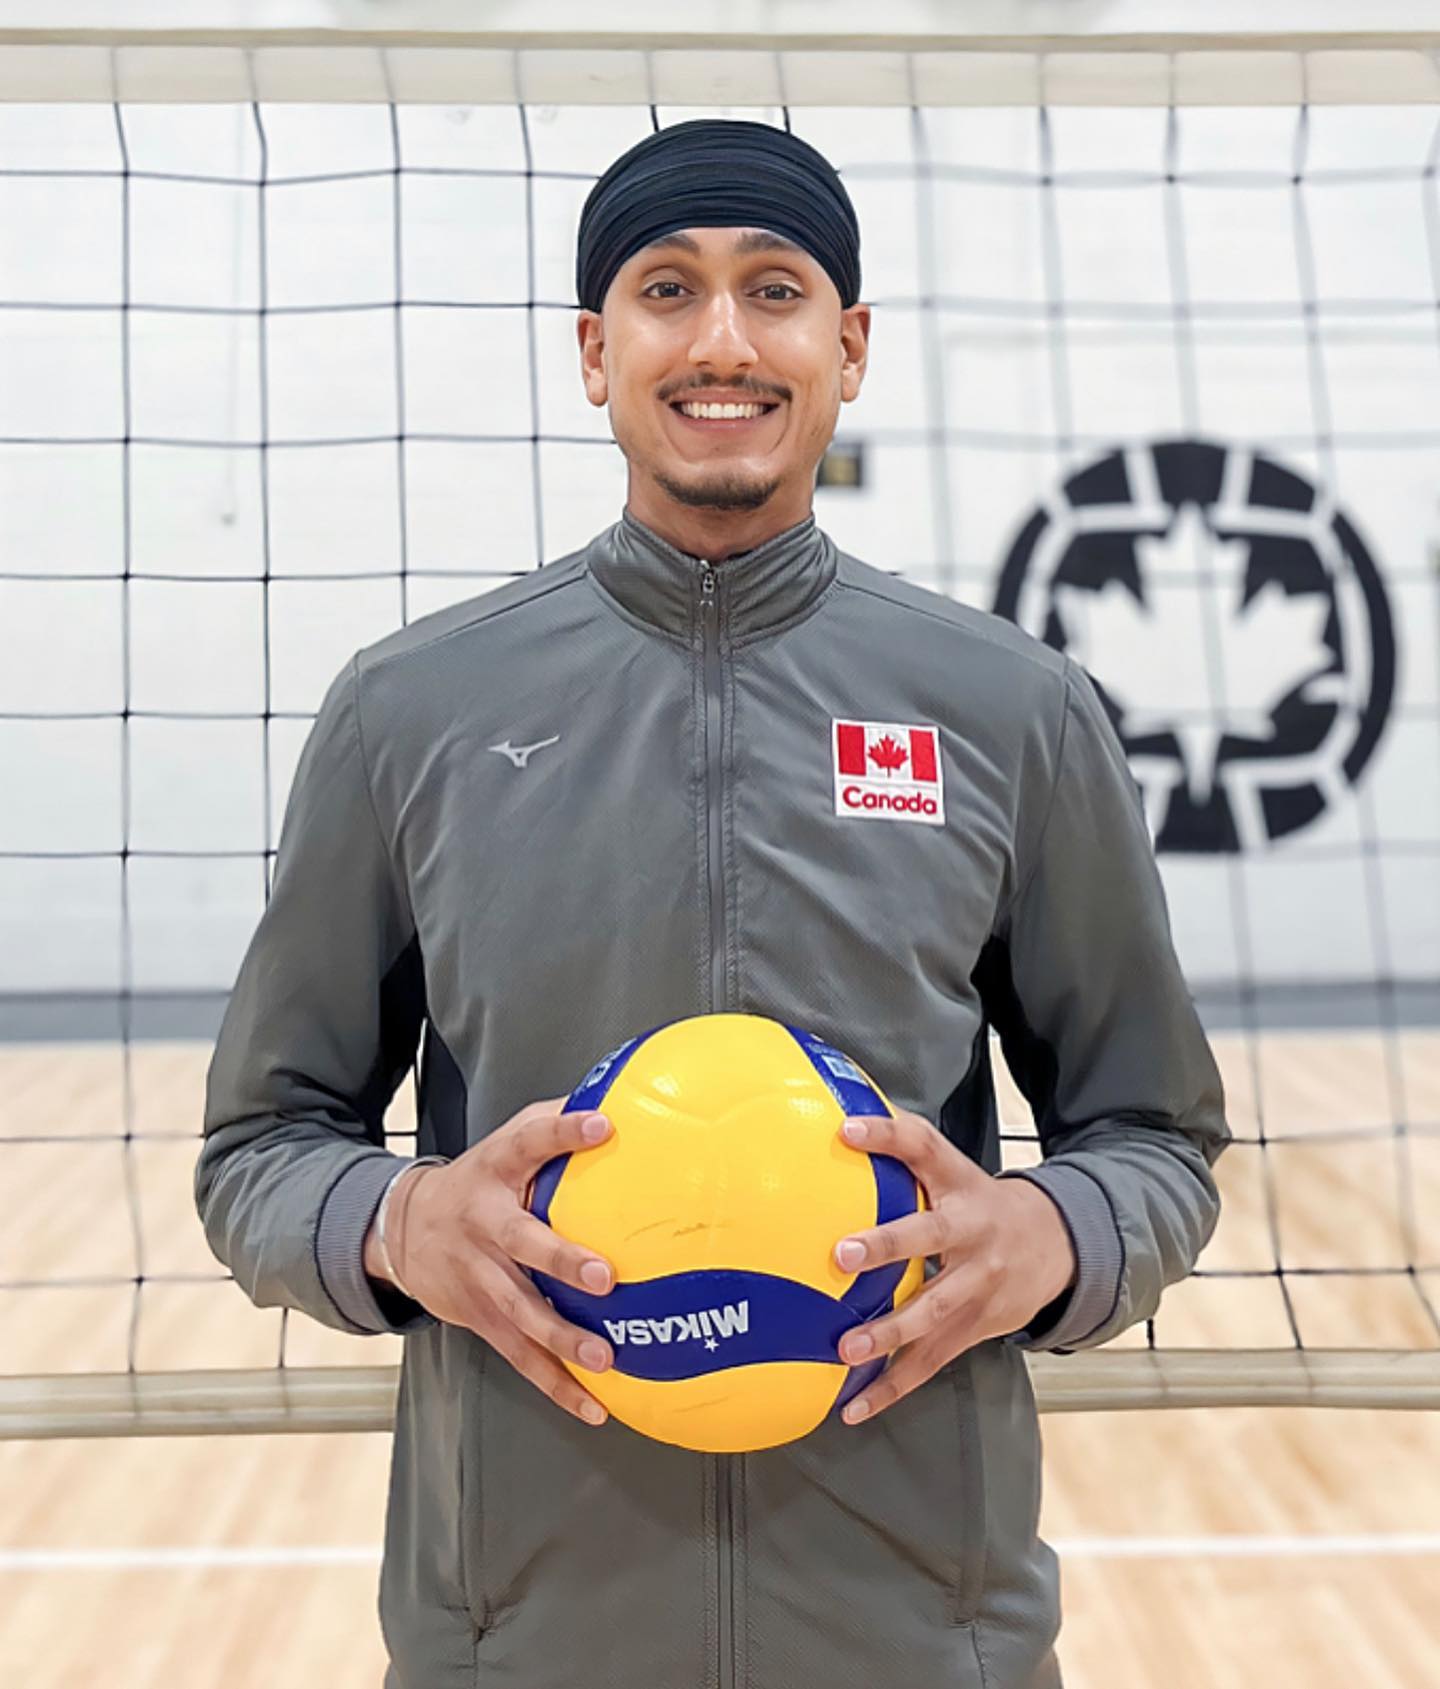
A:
x: 579, y: 1541
x: 870, y: 1539
x: 1019, y: 1609
x: 424, y: 1603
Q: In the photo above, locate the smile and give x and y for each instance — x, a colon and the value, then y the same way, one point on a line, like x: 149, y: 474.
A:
x: 721, y: 417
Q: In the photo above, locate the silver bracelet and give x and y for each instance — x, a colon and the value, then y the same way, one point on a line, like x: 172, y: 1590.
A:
x: 419, y: 1161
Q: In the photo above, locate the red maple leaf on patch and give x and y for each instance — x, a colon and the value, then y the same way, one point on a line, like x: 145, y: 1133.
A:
x: 889, y: 754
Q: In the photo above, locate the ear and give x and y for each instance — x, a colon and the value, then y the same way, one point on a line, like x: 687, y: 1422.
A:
x: 590, y: 329
x: 855, y: 346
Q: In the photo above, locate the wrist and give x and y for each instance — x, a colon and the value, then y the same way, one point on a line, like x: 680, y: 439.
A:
x: 1047, y: 1237
x: 370, y: 1258
x: 381, y: 1250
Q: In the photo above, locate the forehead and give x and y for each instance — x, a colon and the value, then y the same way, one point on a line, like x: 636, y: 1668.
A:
x: 723, y: 242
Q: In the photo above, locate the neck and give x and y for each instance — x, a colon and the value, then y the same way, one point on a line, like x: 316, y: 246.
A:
x: 715, y: 534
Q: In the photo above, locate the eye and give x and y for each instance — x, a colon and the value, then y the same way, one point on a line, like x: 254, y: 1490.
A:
x: 655, y: 284
x: 784, y: 287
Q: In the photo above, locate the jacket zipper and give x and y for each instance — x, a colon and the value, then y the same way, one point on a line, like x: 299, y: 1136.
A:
x: 715, y: 841
x: 714, y: 782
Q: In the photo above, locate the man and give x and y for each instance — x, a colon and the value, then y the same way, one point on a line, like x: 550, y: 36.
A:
x: 623, y: 790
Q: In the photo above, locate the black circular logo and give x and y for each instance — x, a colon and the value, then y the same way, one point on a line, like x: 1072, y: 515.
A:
x: 1234, y: 623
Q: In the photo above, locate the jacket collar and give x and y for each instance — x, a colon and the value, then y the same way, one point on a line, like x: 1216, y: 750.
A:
x: 755, y: 590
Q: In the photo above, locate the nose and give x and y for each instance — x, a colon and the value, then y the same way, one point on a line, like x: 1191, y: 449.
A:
x: 721, y: 338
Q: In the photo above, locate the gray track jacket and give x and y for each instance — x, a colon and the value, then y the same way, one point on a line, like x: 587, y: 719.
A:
x: 692, y: 835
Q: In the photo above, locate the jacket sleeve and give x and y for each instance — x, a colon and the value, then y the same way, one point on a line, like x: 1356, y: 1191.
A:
x: 320, y: 1029
x: 1081, y: 981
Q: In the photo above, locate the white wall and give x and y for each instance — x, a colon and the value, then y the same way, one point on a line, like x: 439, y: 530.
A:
x: 1024, y: 397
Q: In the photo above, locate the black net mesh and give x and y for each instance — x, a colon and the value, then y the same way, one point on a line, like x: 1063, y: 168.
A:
x: 1160, y: 385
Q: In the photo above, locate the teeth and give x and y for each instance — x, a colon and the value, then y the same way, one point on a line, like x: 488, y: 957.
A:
x: 722, y: 410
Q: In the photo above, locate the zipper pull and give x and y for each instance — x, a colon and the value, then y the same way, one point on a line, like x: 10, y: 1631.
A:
x: 707, y: 584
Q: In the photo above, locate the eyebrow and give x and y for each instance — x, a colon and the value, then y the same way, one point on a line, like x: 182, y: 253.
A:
x: 755, y: 240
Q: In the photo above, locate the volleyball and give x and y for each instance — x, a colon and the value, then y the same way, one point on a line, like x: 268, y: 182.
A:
x: 718, y: 1198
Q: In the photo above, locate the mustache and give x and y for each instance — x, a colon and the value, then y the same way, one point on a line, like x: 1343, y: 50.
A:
x: 760, y: 395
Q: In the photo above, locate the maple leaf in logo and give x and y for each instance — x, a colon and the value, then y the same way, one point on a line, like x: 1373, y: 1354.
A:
x: 1156, y: 661
x: 888, y: 754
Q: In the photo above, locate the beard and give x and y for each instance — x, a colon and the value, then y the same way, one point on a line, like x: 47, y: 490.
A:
x: 727, y: 490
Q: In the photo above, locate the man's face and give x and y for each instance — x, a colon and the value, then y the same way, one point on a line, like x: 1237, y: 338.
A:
x: 723, y: 315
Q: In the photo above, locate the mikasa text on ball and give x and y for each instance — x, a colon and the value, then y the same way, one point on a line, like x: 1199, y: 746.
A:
x: 718, y: 1199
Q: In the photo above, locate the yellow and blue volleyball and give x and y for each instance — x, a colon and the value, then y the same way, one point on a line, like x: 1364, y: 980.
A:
x: 719, y: 1198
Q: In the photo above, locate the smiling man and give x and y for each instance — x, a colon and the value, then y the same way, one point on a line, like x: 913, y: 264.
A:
x: 722, y: 448
x: 711, y: 762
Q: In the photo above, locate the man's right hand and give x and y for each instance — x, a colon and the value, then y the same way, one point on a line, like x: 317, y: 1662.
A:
x: 459, y: 1235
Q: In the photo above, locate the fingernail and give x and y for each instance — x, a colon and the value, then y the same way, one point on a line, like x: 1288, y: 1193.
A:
x: 594, y: 1356
x: 593, y: 1412
x: 856, y: 1131
x: 595, y: 1275
x: 595, y: 1128
x: 857, y: 1411
x: 857, y: 1346
x: 850, y: 1253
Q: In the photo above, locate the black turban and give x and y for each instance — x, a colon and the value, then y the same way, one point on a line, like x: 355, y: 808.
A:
x: 715, y: 173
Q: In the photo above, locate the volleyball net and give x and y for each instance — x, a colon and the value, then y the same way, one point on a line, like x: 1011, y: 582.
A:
x: 287, y: 359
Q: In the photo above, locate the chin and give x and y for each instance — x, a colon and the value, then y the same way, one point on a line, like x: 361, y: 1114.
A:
x: 730, y: 490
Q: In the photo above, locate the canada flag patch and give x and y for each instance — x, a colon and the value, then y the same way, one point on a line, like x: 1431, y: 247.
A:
x: 886, y: 771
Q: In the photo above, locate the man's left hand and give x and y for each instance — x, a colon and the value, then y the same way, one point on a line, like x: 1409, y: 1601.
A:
x: 1004, y: 1254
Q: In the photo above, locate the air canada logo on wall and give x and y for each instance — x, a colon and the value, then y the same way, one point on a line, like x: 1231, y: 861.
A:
x: 1235, y: 625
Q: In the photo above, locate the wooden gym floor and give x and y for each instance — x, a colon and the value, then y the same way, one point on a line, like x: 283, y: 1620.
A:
x: 1234, y: 1548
